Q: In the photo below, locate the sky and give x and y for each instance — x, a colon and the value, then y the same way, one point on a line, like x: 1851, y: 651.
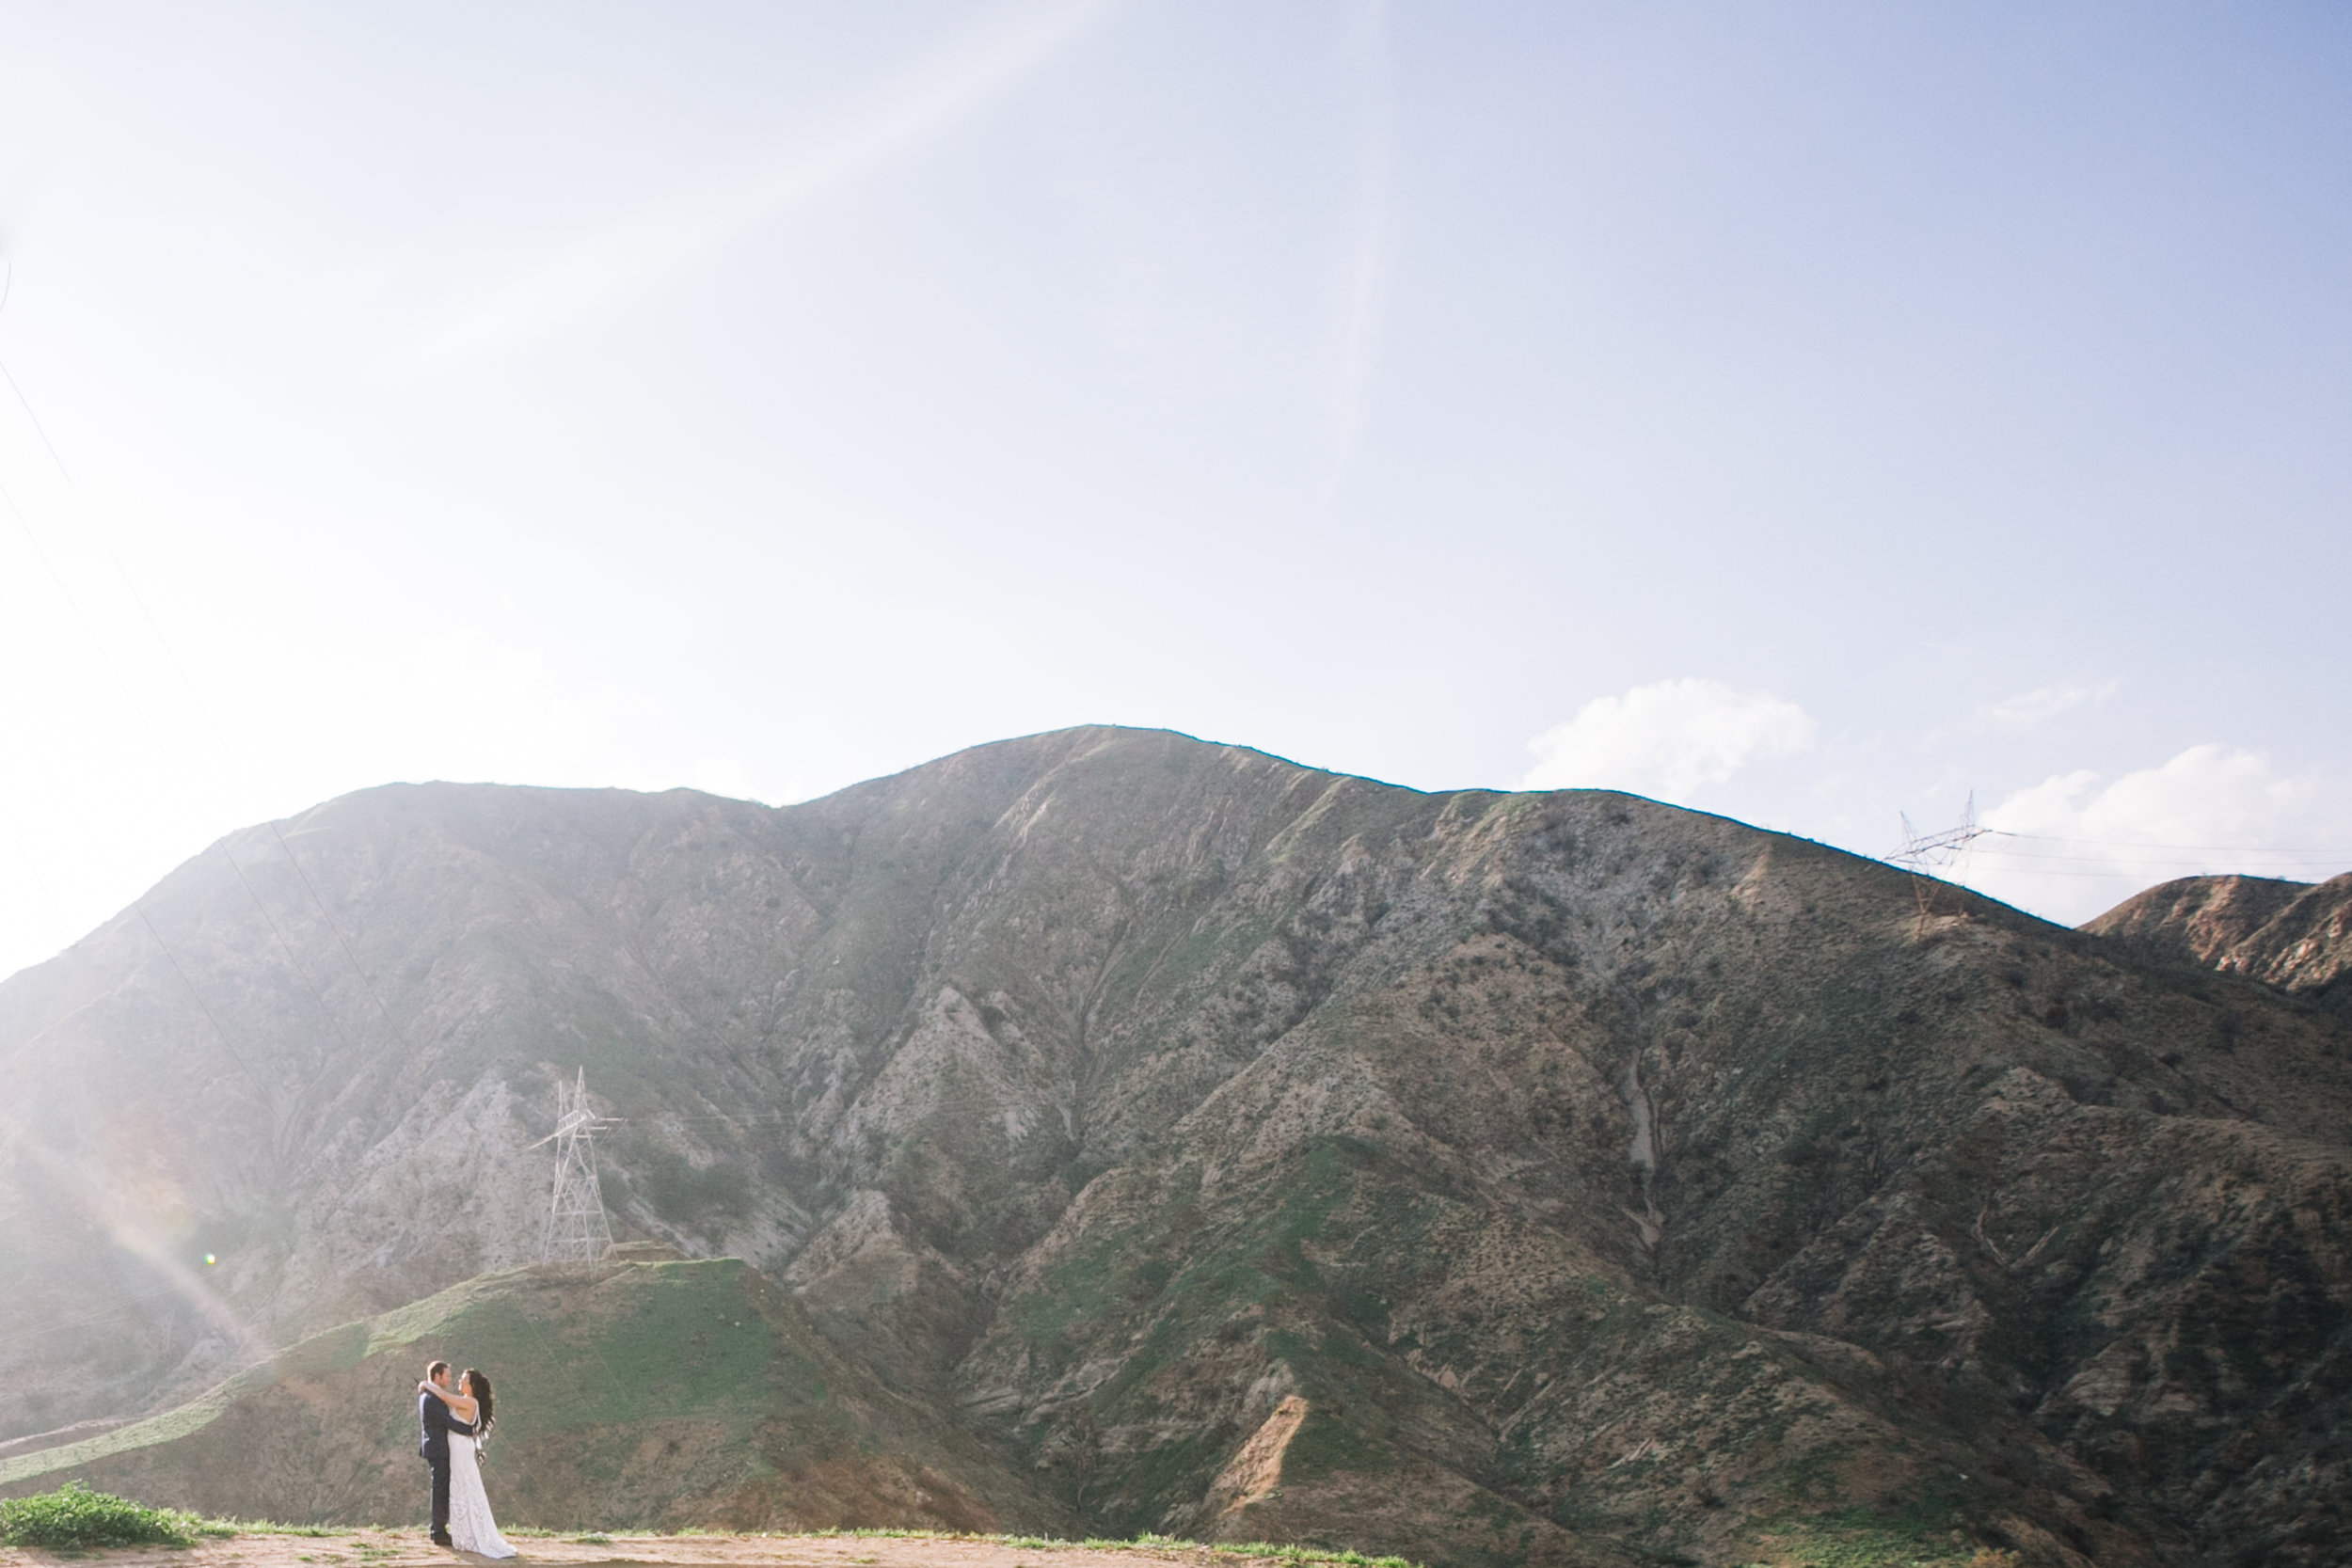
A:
x: 1826, y: 414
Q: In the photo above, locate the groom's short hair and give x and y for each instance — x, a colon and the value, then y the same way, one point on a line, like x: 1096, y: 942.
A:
x: 435, y: 1370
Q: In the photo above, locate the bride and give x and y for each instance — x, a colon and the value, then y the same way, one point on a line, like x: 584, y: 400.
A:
x: 471, y: 1526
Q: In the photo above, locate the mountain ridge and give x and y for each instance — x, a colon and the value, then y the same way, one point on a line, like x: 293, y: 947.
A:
x: 2295, y: 936
x: 1598, y: 1177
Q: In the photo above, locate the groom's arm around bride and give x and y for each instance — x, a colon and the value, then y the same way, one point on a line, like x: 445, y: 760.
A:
x: 436, y: 1422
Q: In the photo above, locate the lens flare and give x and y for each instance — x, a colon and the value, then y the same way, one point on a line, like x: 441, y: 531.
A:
x: 130, y: 1216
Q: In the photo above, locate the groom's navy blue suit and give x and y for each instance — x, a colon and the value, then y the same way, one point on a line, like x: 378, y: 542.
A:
x: 435, y: 1421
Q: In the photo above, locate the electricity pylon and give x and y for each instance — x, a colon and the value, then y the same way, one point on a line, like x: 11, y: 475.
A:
x: 577, y: 1231
x: 1925, y: 854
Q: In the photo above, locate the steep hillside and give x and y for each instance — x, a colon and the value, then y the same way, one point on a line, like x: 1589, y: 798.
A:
x: 2296, y: 936
x: 1252, y: 1152
x: 726, y: 1408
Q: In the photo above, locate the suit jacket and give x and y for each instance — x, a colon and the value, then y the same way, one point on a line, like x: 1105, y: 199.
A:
x: 436, y: 1421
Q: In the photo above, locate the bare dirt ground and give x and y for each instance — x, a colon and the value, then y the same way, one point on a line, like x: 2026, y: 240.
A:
x: 374, y: 1549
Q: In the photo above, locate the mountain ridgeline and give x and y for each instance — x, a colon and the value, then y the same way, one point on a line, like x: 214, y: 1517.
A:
x: 1237, y: 1151
x: 2296, y: 935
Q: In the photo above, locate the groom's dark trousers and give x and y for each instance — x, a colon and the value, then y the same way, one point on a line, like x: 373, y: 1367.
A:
x: 434, y: 1421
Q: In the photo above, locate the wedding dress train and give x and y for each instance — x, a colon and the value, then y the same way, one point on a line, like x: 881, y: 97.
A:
x: 470, y: 1525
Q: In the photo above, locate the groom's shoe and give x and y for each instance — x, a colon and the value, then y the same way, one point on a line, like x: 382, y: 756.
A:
x: 443, y: 1540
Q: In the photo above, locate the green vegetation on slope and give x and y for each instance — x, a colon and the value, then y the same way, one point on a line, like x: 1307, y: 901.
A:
x: 648, y: 1394
x: 73, y: 1518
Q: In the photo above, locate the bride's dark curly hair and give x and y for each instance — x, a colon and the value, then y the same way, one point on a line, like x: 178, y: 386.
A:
x: 478, y: 1383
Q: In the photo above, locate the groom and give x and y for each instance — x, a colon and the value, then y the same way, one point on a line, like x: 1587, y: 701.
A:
x: 436, y: 1423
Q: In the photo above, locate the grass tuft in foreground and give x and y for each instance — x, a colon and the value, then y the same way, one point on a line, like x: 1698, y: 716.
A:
x: 73, y: 1518
x: 270, y: 1527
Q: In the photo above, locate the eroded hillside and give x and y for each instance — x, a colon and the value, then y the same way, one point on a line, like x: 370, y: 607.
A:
x: 1248, y: 1151
x: 2296, y: 935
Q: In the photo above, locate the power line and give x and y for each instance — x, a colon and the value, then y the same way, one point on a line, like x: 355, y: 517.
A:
x: 139, y: 908
x: 2125, y: 872
x: 2136, y: 860
x: 2146, y: 844
x: 301, y: 974
x: 203, y: 710
x: 1943, y: 855
x: 6, y: 283
x: 326, y: 915
x: 41, y: 553
x: 1928, y: 855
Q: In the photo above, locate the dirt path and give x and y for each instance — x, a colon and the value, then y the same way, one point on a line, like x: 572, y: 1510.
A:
x: 410, y: 1549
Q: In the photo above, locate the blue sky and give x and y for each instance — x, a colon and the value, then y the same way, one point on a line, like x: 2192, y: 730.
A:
x: 1807, y: 413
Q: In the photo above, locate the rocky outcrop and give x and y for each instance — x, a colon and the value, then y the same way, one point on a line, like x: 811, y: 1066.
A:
x: 2296, y: 936
x: 1594, y: 1181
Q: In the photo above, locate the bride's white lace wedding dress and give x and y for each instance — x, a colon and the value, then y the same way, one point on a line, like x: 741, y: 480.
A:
x: 471, y: 1526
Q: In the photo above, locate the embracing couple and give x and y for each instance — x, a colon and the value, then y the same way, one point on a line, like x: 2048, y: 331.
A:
x: 456, y: 1422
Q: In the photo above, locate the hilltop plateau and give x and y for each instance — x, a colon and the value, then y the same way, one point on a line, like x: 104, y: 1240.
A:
x: 1242, y: 1152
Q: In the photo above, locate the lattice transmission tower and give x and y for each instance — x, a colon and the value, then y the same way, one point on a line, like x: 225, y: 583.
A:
x: 1927, y: 856
x: 577, y: 1231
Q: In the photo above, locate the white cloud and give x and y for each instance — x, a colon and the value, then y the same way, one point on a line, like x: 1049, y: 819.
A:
x: 2022, y: 712
x: 1668, y: 738
x: 2076, y: 844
